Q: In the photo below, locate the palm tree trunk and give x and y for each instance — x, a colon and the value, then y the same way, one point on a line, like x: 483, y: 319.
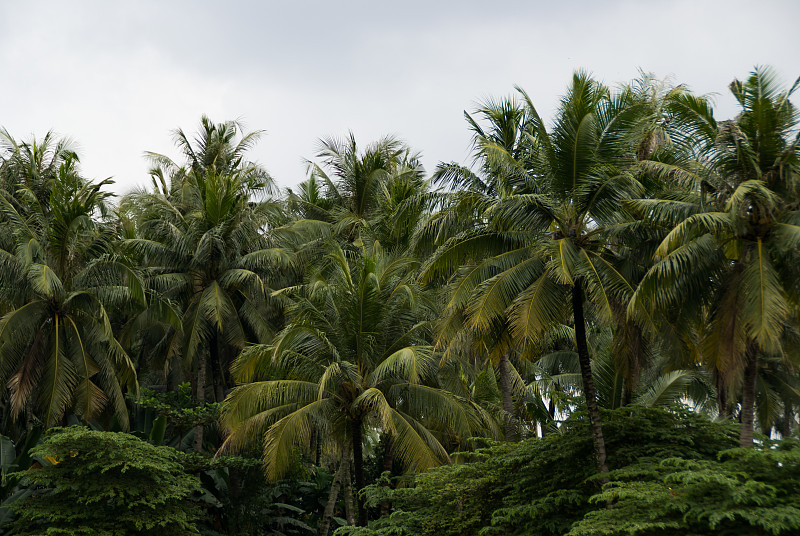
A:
x: 633, y: 371
x: 217, y: 370
x: 722, y: 394
x: 586, y: 377
x: 348, y: 497
x: 749, y: 397
x: 628, y: 342
x: 637, y: 358
x: 551, y: 410
x: 200, y: 386
x: 508, y: 401
x: 333, y: 495
x: 358, y: 469
x: 627, y: 395
x: 788, y: 419
x: 388, y: 461
x: 313, y: 446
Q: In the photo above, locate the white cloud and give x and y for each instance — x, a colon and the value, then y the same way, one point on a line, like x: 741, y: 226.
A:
x: 119, y: 77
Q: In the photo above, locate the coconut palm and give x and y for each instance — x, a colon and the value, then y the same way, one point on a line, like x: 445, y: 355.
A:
x: 29, y: 169
x: 202, y: 239
x: 499, y: 146
x: 733, y: 253
x: 218, y: 148
x: 547, y: 257
x: 354, y: 356
x: 60, y: 282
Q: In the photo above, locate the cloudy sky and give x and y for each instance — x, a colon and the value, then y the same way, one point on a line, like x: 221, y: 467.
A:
x: 117, y: 77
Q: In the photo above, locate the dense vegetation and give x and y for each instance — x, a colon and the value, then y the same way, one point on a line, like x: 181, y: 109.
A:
x: 536, y: 343
x: 666, y: 478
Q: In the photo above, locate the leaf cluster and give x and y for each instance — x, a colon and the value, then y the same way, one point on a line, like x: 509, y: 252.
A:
x: 742, y: 492
x: 179, y: 413
x: 105, y: 483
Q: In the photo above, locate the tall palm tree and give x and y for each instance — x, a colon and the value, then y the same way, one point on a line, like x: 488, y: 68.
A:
x: 547, y: 257
x: 60, y: 276
x: 354, y: 356
x: 202, y: 240
x: 658, y: 106
x: 734, y: 251
x: 499, y: 145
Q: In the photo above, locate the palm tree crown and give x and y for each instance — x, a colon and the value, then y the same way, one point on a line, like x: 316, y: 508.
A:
x: 354, y: 356
x: 202, y: 240
x: 541, y: 242
x: 60, y: 275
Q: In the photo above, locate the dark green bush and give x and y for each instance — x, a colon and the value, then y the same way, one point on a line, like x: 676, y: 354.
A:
x: 541, y: 486
x: 105, y: 484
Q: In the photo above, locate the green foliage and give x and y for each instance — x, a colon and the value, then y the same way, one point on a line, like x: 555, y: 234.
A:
x: 541, y: 486
x: 13, y: 458
x: 353, y: 353
x: 369, y: 305
x: 60, y: 280
x: 178, y: 408
x: 239, y: 501
x: 743, y: 492
x: 105, y: 483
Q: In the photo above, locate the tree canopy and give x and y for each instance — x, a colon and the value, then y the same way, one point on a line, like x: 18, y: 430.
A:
x: 565, y: 334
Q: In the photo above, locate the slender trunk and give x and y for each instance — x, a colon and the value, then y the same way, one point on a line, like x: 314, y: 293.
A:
x: 635, y: 369
x: 627, y: 395
x: 388, y: 460
x: 333, y: 495
x: 171, y: 377
x: 722, y: 395
x: 348, y: 497
x: 628, y: 342
x: 200, y: 386
x: 29, y: 421
x: 312, y: 450
x: 788, y: 418
x: 551, y: 410
x: 358, y: 469
x: 236, y: 484
x: 586, y: 377
x: 748, y: 397
x: 217, y: 370
x: 508, y: 401
x: 218, y: 376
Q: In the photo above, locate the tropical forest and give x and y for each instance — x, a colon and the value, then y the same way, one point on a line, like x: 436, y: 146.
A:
x: 591, y: 327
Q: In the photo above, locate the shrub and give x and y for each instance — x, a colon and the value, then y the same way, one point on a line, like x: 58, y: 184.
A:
x: 104, y: 484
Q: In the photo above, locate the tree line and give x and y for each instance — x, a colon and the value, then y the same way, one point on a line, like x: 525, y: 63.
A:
x: 633, y: 250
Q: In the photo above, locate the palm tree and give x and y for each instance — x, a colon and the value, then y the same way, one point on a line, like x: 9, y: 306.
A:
x: 733, y: 253
x: 218, y: 148
x: 544, y: 243
x: 499, y: 149
x: 28, y: 170
x: 60, y: 276
x: 354, y: 356
x: 202, y: 239
x: 377, y: 193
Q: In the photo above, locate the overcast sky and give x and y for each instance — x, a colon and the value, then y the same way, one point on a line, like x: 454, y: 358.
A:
x: 118, y: 77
